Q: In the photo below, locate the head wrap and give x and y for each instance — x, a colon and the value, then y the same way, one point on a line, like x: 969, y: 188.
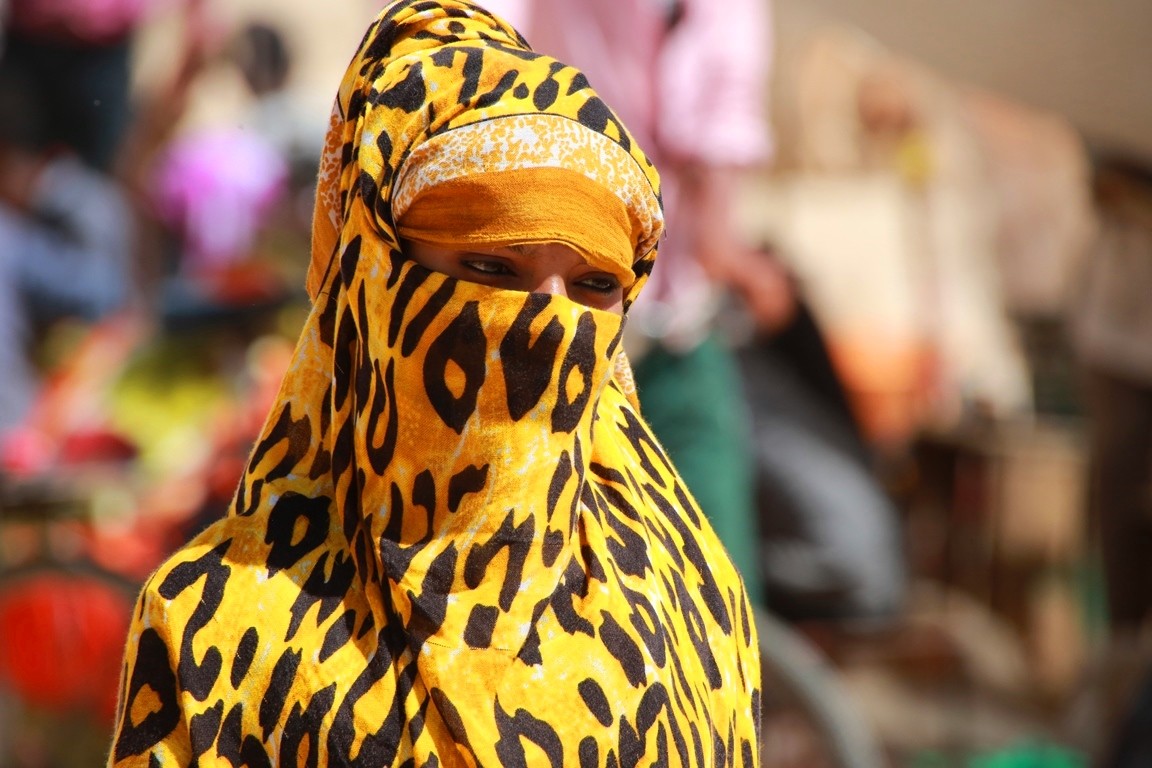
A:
x: 530, y: 179
x: 456, y: 542
x: 467, y: 138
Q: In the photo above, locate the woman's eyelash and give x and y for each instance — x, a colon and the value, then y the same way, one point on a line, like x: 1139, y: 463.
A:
x: 487, y: 267
x: 491, y: 268
x: 600, y: 284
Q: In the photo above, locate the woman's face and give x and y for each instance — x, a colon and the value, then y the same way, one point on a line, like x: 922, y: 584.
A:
x: 552, y: 268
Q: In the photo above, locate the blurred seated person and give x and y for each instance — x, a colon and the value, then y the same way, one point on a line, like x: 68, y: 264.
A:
x: 1112, y: 332
x: 66, y: 239
x: 830, y: 539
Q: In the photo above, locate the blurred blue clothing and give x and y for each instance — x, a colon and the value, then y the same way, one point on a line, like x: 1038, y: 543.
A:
x: 67, y: 256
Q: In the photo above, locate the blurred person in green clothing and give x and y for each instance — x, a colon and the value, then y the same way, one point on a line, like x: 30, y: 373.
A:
x: 689, y: 79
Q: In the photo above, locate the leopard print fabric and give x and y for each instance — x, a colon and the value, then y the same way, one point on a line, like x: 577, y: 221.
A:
x: 456, y: 542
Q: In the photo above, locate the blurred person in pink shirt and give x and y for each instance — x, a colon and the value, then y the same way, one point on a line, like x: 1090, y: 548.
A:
x: 689, y: 78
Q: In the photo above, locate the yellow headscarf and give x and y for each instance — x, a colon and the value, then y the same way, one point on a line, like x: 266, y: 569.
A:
x: 456, y: 542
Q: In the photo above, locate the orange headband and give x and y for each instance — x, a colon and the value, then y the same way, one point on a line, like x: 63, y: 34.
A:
x: 529, y: 179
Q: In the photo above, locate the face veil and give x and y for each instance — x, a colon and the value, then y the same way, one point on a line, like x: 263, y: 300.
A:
x: 456, y: 542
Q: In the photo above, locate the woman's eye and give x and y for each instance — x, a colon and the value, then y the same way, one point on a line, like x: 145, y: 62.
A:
x: 487, y: 267
x: 602, y: 284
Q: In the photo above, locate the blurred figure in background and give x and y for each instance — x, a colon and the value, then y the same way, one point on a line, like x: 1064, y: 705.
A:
x: 689, y: 79
x: 212, y: 184
x: 1112, y: 327
x: 832, y: 546
x: 1113, y: 332
x: 264, y: 57
x: 65, y: 241
x: 900, y: 242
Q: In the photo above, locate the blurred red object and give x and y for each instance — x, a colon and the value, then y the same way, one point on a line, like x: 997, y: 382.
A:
x: 62, y: 641
x: 243, y: 283
x: 70, y: 413
x: 135, y: 550
x: 95, y: 445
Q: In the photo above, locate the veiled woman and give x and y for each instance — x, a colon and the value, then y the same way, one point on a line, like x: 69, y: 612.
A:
x: 456, y: 541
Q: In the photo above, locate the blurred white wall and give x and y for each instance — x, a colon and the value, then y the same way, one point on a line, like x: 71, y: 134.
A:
x: 1088, y: 60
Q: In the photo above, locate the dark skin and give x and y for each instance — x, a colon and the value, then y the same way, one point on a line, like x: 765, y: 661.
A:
x: 552, y: 268
x: 761, y: 280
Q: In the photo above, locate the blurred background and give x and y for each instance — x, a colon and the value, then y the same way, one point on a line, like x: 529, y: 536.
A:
x: 961, y: 193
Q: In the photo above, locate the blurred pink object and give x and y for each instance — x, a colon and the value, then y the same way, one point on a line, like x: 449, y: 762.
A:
x: 91, y: 21
x: 217, y: 189
x: 25, y: 452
